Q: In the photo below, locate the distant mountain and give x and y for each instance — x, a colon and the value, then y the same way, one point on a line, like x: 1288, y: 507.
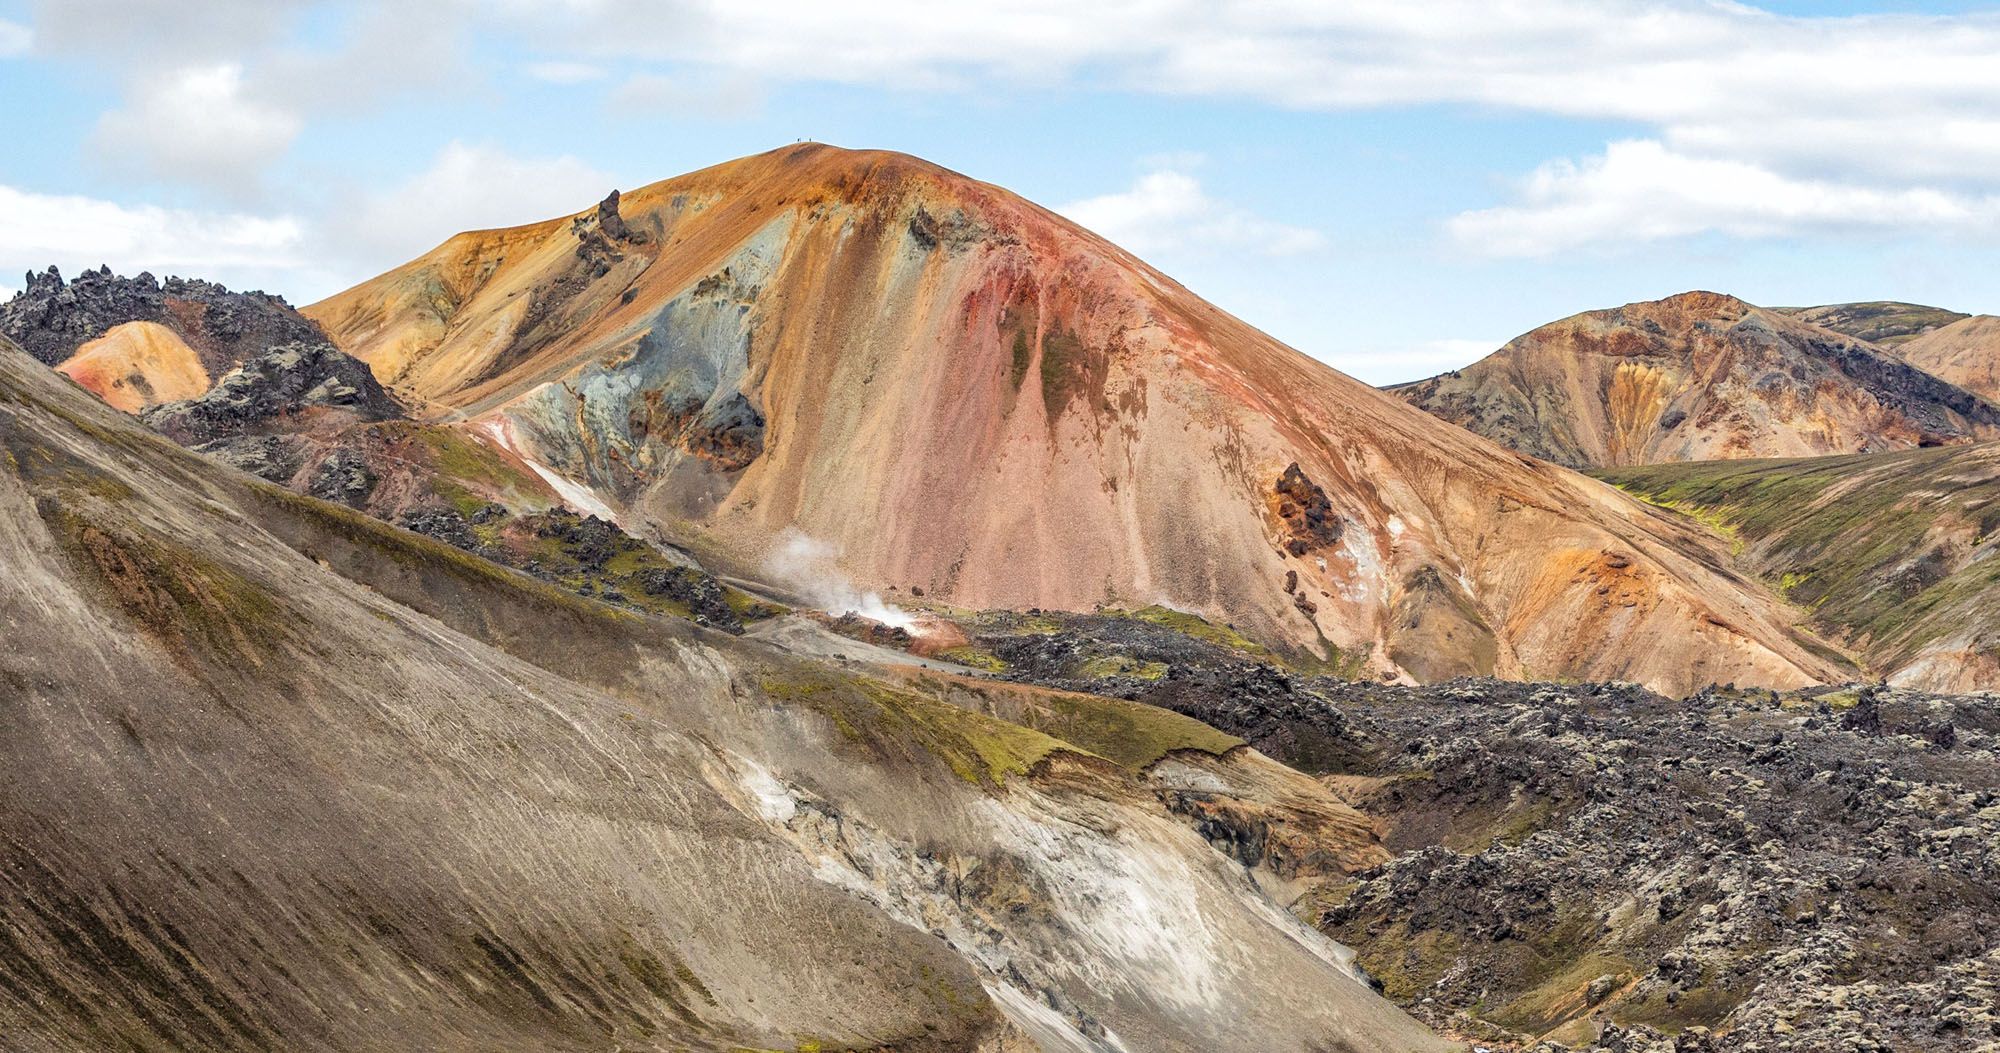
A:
x: 954, y: 390
x: 1699, y: 376
x: 1884, y: 323
x: 1895, y: 554
x: 1966, y: 353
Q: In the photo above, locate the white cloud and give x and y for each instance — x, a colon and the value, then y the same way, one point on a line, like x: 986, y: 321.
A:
x: 1698, y: 71
x: 565, y: 72
x: 383, y: 49
x: 1642, y: 191
x: 73, y: 233
x: 1167, y: 212
x: 15, y: 39
x: 1900, y: 105
x: 687, y: 95
x: 143, y: 31
x: 466, y: 187
x: 196, y: 124
x: 216, y: 91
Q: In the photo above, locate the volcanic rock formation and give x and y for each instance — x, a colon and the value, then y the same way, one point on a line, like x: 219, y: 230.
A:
x: 1698, y: 376
x: 956, y: 390
x: 1617, y: 872
x: 52, y: 318
x: 307, y: 385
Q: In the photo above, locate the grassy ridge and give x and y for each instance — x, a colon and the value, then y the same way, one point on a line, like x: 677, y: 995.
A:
x: 1890, y: 550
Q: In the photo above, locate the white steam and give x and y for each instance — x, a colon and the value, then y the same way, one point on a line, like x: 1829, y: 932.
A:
x: 807, y: 566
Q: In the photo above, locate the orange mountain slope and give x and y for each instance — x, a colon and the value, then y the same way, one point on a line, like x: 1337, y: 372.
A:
x: 1966, y: 353
x: 137, y: 365
x: 952, y: 388
x: 1699, y: 376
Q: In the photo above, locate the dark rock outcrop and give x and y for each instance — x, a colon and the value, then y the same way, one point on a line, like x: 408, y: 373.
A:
x: 1306, y: 512
x: 698, y: 590
x: 597, y: 243
x: 613, y: 224
x: 284, y: 385
x: 273, y: 458
x: 868, y: 630
x: 343, y: 478
x: 728, y: 435
x: 51, y: 318
x: 1800, y: 873
x: 1134, y: 658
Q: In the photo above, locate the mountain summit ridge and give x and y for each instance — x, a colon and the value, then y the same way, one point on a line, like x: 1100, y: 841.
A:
x: 1698, y: 376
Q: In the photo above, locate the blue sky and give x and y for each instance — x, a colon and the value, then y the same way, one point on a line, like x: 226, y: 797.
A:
x: 1394, y: 188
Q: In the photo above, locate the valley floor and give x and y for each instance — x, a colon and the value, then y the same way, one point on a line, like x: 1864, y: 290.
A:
x: 1595, y: 866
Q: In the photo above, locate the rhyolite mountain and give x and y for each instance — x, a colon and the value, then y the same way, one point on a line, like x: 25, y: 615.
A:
x: 962, y: 393
x: 135, y: 365
x: 1966, y: 353
x: 1694, y: 377
x: 281, y: 777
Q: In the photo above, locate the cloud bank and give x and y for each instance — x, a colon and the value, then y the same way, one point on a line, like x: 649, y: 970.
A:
x: 1167, y: 212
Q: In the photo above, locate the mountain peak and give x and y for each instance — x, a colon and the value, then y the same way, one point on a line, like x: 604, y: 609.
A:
x: 951, y: 389
x: 818, y: 171
x: 1699, y: 302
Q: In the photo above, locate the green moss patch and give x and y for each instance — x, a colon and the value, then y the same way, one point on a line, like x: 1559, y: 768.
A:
x: 1561, y: 997
x: 1131, y: 734
x: 895, y: 723
x: 195, y: 607
x: 1196, y: 626
x: 974, y: 658
x: 1110, y: 665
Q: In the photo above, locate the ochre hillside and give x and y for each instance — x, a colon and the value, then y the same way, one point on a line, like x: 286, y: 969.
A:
x: 136, y: 365
x: 960, y: 392
x: 1694, y: 377
x: 1966, y: 353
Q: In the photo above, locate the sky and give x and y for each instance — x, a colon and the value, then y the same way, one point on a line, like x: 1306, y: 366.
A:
x: 1394, y: 187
